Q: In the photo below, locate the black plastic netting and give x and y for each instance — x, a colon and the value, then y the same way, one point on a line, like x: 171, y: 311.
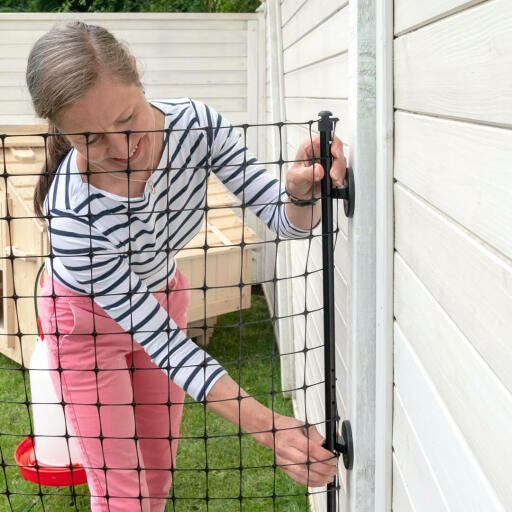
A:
x: 100, y: 272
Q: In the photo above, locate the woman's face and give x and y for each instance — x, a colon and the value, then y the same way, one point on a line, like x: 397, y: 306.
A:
x: 110, y: 106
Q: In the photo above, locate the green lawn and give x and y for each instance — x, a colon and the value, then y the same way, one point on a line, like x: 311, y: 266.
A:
x: 256, y: 484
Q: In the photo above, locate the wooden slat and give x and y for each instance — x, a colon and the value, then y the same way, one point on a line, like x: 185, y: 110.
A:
x: 457, y: 471
x: 328, y: 39
x: 462, y: 169
x: 228, y: 91
x: 479, y: 404
x: 471, y: 283
x: 195, y: 77
x: 410, y: 15
x: 136, y: 36
x: 420, y: 479
x: 21, y: 51
x: 289, y: 8
x: 125, y: 24
x: 460, y: 67
x: 164, y: 17
x: 340, y: 324
x: 308, y: 108
x: 204, y: 64
x: 401, y: 498
x: 310, y: 15
x: 327, y: 79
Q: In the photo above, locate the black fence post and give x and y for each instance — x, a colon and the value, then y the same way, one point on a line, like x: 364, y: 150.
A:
x: 332, y: 442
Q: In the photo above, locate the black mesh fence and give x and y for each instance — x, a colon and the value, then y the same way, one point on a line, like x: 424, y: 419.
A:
x: 121, y: 251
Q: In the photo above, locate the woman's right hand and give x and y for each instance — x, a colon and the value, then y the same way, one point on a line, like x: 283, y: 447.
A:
x: 299, y: 451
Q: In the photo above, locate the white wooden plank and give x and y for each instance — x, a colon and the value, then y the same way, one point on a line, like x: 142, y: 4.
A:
x: 311, y: 15
x: 459, y: 67
x: 289, y: 8
x: 21, y: 51
x: 455, y: 467
x: 228, y: 91
x: 327, y: 79
x: 341, y: 296
x: 471, y: 283
x: 326, y: 40
x: 308, y: 108
x: 478, y: 402
x: 411, y: 15
x: 12, y: 66
x: 401, y: 498
x: 340, y: 325
x: 138, y: 23
x: 123, y: 16
x: 18, y: 119
x: 201, y: 77
x: 462, y: 169
x: 13, y: 108
x: 206, y: 64
x: 420, y: 479
x: 135, y: 37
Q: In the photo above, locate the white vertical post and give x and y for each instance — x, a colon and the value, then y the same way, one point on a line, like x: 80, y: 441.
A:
x: 384, y: 268
x: 362, y: 300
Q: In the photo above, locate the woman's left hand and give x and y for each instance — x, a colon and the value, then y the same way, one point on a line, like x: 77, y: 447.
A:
x: 304, y: 176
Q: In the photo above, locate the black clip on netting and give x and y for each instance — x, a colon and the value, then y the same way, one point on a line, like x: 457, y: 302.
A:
x: 336, y: 444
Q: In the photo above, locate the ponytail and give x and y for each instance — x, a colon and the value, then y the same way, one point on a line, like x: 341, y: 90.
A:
x: 57, y: 147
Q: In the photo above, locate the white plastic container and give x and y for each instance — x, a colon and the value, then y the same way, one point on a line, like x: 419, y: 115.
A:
x: 51, y: 447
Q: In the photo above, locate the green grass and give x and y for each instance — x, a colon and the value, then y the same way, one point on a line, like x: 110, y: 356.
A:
x: 223, y: 448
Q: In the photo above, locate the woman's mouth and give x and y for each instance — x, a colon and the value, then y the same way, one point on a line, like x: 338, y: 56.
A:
x: 134, y: 153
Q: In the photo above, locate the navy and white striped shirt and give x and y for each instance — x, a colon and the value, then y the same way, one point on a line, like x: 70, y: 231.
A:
x: 121, y: 249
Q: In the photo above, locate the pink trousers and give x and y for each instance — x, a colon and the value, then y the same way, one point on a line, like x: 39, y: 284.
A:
x: 124, y: 410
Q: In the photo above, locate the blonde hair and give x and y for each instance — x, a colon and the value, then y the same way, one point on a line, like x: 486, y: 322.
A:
x: 62, y: 66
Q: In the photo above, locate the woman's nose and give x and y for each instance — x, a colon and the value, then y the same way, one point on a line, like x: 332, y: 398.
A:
x: 118, y: 145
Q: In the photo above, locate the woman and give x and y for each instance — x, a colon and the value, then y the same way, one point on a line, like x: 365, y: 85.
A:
x: 124, y: 190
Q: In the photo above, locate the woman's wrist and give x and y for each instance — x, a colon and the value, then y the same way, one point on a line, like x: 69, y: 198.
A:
x: 304, y: 218
x: 229, y: 400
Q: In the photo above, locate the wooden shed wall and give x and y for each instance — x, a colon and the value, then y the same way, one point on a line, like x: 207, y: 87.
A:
x: 453, y: 260
x: 203, y: 56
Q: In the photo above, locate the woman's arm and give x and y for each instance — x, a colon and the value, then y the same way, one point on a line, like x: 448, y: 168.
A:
x: 298, y: 451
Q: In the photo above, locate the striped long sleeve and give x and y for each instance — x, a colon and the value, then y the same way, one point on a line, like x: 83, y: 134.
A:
x: 120, y: 250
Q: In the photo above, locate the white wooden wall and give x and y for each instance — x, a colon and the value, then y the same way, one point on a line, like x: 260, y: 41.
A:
x: 453, y: 260
x: 212, y: 58
x: 310, y: 75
